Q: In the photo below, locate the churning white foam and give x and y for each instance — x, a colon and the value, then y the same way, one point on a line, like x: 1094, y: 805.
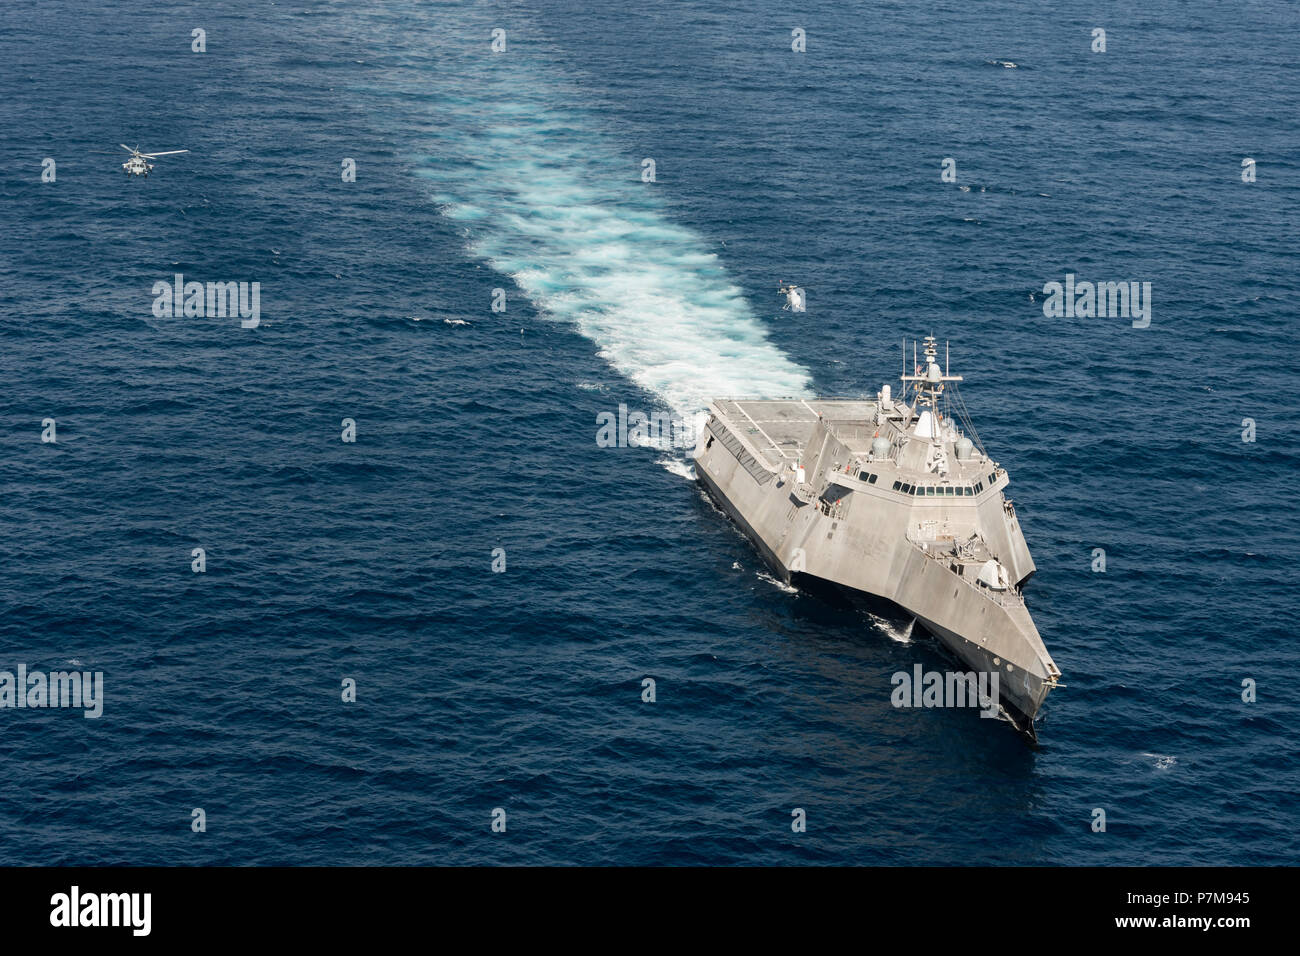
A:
x: 903, y: 636
x: 777, y: 583
x: 675, y: 466
x: 1161, y: 761
x: 545, y: 201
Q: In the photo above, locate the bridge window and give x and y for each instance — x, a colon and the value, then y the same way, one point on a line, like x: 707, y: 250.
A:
x: 897, y: 485
x: 871, y: 479
x: 929, y: 491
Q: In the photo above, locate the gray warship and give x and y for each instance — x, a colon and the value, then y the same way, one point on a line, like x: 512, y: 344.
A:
x: 891, y: 499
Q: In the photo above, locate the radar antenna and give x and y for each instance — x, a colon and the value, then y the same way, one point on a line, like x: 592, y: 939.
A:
x: 928, y: 382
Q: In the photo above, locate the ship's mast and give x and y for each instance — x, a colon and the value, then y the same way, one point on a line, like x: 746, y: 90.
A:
x: 929, y: 380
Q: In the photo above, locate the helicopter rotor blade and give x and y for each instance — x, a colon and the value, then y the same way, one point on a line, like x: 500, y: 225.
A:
x: 170, y: 152
x: 126, y: 147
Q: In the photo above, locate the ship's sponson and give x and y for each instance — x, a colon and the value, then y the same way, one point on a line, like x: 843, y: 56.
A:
x: 878, y: 498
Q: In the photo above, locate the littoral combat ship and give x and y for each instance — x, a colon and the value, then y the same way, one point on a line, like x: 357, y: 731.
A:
x: 889, y: 498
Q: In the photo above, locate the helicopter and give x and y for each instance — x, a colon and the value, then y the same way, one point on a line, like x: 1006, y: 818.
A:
x: 794, y: 296
x: 136, y: 165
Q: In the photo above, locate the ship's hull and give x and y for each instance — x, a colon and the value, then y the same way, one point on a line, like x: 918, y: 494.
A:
x: 1004, y: 640
x: 1020, y: 697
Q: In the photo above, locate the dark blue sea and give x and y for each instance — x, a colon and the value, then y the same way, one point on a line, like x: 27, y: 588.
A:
x: 522, y: 171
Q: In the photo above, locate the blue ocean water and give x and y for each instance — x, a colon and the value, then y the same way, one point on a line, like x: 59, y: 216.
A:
x: 522, y: 171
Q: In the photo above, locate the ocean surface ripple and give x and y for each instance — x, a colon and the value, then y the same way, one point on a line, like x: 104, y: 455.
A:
x: 476, y: 429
